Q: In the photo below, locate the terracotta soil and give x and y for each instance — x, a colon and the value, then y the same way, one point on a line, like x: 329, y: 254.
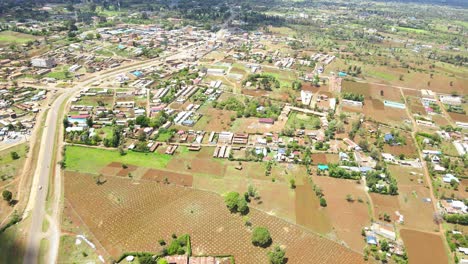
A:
x: 308, y: 211
x: 347, y: 218
x: 172, y: 177
x: 423, y: 248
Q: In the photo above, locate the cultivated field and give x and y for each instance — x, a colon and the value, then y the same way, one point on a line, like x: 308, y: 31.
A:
x: 347, y: 218
x: 417, y: 244
x: 134, y: 215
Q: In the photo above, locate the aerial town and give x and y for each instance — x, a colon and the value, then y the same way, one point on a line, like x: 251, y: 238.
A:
x: 203, y: 132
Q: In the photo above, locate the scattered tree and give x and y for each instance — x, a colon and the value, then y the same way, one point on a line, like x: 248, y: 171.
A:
x: 261, y: 237
x: 276, y: 256
x: 7, y: 195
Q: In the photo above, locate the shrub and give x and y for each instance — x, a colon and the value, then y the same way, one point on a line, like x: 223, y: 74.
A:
x: 14, y: 155
x: 242, y: 206
x: 7, y: 195
x: 276, y: 256
x: 231, y: 200
x: 323, y: 202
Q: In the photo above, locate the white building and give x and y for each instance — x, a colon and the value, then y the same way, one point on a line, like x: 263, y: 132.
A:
x: 43, y: 62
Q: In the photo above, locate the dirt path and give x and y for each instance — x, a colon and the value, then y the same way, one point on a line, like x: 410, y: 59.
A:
x: 423, y: 162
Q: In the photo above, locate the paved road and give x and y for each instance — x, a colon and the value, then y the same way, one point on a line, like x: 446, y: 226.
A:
x: 41, y: 178
x: 37, y: 199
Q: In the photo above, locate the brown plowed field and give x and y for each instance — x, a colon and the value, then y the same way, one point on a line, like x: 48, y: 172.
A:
x: 423, y: 248
x: 172, y: 177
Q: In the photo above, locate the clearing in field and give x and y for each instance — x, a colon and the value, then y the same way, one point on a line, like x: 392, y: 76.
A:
x: 253, y: 126
x: 302, y: 121
x: 214, y: 120
x: 133, y: 217
x: 417, y: 244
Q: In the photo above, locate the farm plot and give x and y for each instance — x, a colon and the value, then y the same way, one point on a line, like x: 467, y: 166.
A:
x: 308, y: 211
x: 168, y: 177
x: 253, y: 126
x: 417, y: 243
x: 376, y: 110
x: 199, y: 166
x: 347, y: 218
x: 408, y: 149
x: 133, y: 217
x: 273, y: 197
x: 214, y: 120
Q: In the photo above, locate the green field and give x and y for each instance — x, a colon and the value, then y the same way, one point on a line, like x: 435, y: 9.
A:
x: 59, y: 75
x: 298, y: 120
x: 9, y: 167
x: 72, y: 253
x: 10, y: 37
x: 412, y: 30
x: 91, y: 160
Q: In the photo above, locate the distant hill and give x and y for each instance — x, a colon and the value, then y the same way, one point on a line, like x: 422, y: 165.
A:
x: 460, y: 3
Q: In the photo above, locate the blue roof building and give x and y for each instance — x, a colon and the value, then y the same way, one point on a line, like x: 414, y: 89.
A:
x: 322, y: 167
x: 388, y: 137
x: 372, y: 240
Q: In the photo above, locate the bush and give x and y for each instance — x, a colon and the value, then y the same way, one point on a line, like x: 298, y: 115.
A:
x: 242, y: 206
x: 14, y: 155
x: 261, y: 237
x: 173, y: 247
x: 461, y: 219
x: 231, y: 200
x: 276, y: 256
x: 162, y: 261
x: 323, y: 202
x: 7, y: 195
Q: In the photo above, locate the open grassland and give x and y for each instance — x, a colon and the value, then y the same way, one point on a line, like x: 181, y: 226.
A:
x: 92, y: 160
x: 9, y: 167
x: 11, y: 251
x: 299, y: 120
x: 10, y: 37
x: 134, y: 215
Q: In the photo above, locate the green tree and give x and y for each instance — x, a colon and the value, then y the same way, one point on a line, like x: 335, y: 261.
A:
x: 276, y: 256
x: 173, y: 247
x: 261, y: 237
x: 14, y: 155
x: 242, y: 206
x: 7, y: 195
x: 384, y: 245
x: 231, y: 200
